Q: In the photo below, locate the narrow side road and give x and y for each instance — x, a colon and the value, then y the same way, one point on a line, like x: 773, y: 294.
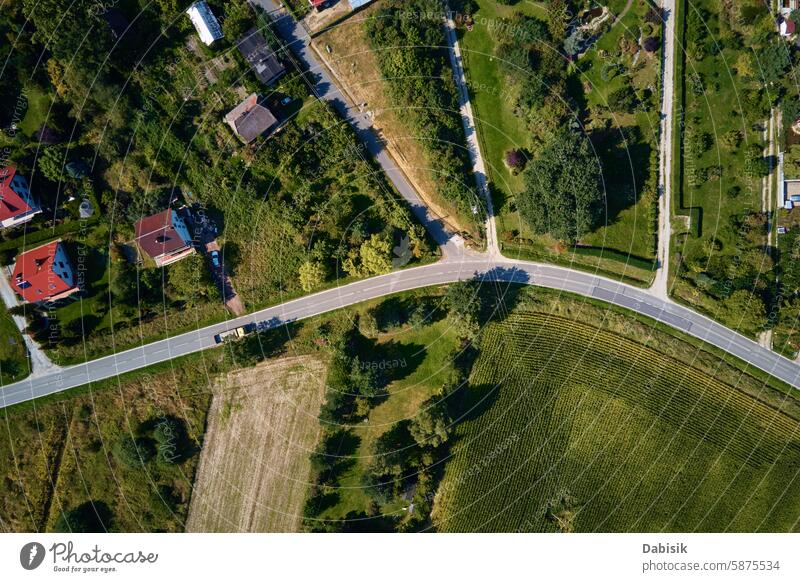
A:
x: 297, y: 40
x: 471, y: 133
x: 661, y: 281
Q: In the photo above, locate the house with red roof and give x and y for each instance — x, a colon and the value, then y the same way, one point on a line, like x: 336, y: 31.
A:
x: 17, y: 206
x: 44, y: 274
x: 164, y: 237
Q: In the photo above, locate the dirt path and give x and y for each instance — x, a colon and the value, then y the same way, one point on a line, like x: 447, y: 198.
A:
x: 255, y: 463
x: 471, y: 134
x: 39, y: 362
x: 661, y: 281
x: 768, y: 201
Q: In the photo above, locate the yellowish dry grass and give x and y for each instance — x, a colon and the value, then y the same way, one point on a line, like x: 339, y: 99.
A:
x: 255, y: 464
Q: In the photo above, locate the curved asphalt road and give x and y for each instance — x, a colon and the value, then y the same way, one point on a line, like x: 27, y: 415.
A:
x: 458, y: 264
x: 446, y: 271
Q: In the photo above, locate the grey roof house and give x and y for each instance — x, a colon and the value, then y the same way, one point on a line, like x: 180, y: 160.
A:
x: 262, y: 59
x: 250, y: 119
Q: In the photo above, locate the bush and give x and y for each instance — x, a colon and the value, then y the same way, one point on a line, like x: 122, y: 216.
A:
x: 651, y: 44
x: 516, y: 159
x: 133, y: 452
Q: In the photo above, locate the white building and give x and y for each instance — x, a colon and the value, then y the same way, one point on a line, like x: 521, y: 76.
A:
x: 204, y: 22
x: 355, y: 4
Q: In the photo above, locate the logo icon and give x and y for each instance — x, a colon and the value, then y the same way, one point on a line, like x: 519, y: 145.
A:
x: 31, y: 555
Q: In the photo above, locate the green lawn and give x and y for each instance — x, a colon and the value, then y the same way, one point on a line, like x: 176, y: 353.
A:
x: 573, y: 431
x: 721, y: 96
x: 425, y: 352
x: 628, y: 173
x: 13, y: 355
x: 38, y: 106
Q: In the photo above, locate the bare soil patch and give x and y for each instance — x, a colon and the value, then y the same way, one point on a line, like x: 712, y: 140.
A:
x: 255, y: 464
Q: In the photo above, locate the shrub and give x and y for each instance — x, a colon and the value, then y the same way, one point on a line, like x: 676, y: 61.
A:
x: 133, y: 452
x: 516, y: 159
x: 651, y: 44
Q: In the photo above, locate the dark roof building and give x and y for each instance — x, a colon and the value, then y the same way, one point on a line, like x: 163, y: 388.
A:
x: 250, y: 119
x: 262, y: 59
x: 164, y: 236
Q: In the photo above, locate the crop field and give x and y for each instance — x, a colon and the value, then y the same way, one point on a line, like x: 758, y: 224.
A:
x: 255, y: 465
x: 581, y: 429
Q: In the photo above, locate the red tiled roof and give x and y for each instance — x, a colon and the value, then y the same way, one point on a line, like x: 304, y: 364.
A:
x: 34, y: 277
x: 157, y: 235
x: 11, y: 203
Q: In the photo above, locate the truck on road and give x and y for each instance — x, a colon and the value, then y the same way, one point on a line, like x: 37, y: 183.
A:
x: 235, y: 333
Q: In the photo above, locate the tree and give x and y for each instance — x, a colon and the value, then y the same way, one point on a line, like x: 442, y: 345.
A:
x: 88, y: 517
x: 623, y: 99
x: 51, y: 163
x: 238, y: 18
x: 190, y: 280
x: 515, y: 159
x: 431, y: 425
x: 376, y: 255
x: 744, y: 311
x: 755, y: 164
x: 312, y: 275
x: 133, y: 452
x: 562, y: 193
x: 464, y: 305
x: 771, y: 61
x: 651, y: 44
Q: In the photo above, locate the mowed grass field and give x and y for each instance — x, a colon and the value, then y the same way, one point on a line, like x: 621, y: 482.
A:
x: 255, y: 465
x: 625, y: 237
x: 576, y: 428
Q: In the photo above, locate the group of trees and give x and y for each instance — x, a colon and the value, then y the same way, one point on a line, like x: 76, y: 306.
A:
x: 412, y: 59
x: 741, y: 278
x: 562, y: 194
x: 163, y: 439
x: 407, y: 458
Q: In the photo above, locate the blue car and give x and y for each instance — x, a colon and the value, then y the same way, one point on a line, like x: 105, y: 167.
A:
x: 215, y: 259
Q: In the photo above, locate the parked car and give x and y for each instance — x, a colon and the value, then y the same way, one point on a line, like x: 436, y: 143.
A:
x: 215, y: 259
x: 286, y: 100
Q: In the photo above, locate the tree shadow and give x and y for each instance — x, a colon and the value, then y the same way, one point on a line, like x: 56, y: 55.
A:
x: 626, y: 151
x: 399, y: 360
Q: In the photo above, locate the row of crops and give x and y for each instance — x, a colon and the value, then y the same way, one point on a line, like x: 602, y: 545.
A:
x: 610, y: 435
